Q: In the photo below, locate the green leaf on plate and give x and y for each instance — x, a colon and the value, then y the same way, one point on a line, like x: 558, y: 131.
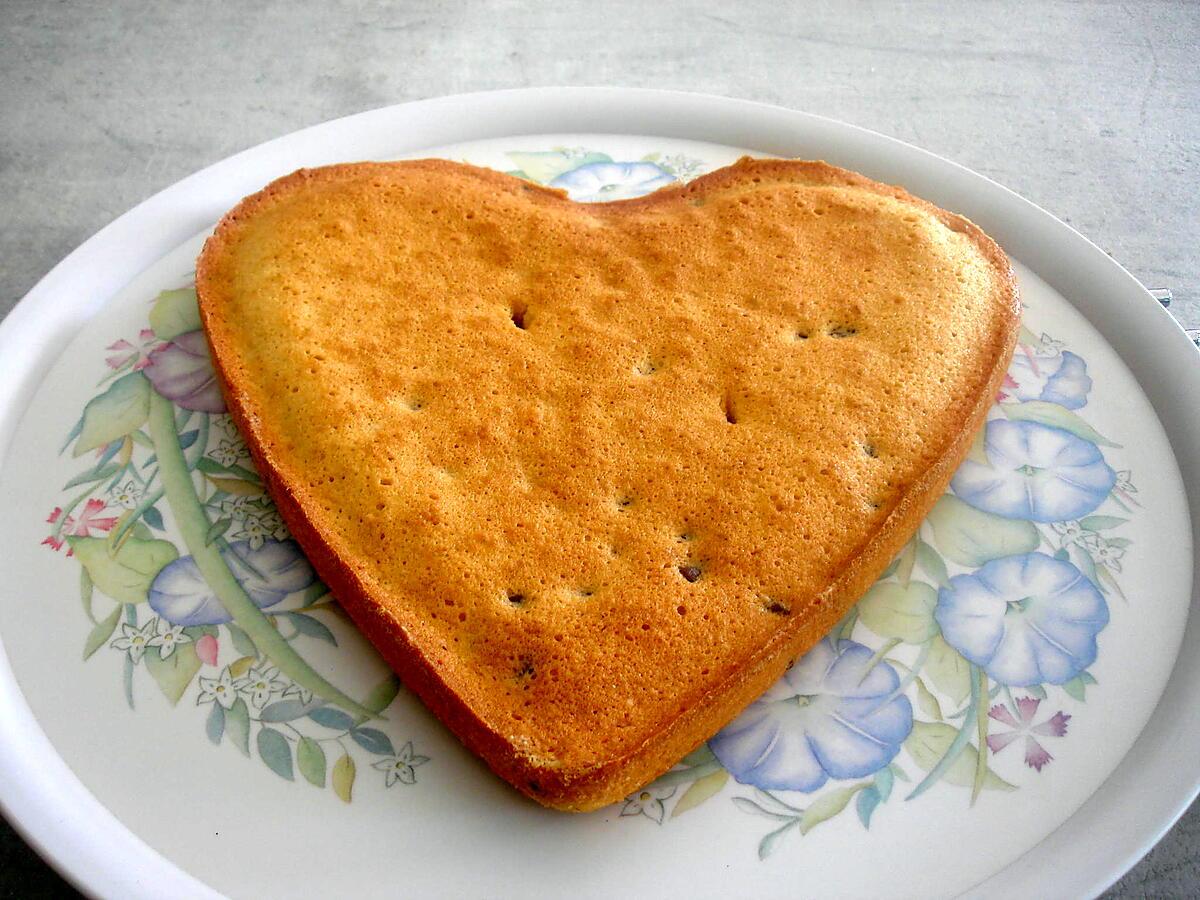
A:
x: 101, y: 632
x: 701, y: 789
x: 86, y: 590
x: 1075, y: 688
x: 242, y: 643
x: 240, y: 666
x: 1056, y: 416
x: 932, y: 564
x: 1100, y: 523
x: 216, y: 529
x: 948, y: 671
x: 928, y: 743
x: 111, y: 415
x: 972, y: 537
x: 868, y: 800
x: 894, y: 611
x: 310, y: 759
x: 276, y: 752
x: 174, y: 673
x: 214, y: 727
x: 237, y: 725
x: 343, y: 777
x: 770, y: 843
x: 175, y: 313
x: 827, y: 806
x: 126, y: 575
x: 927, y: 703
x: 237, y: 486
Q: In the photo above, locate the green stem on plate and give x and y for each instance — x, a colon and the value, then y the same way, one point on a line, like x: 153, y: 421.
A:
x: 888, y: 646
x: 907, y: 680
x: 193, y: 524
x: 136, y: 515
x: 981, y: 727
x: 953, y: 751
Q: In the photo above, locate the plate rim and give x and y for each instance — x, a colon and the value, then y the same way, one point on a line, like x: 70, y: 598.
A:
x: 85, y: 842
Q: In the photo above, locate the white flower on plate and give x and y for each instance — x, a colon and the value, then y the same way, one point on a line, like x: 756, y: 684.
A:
x: 168, y: 638
x: 1125, y: 483
x: 135, y: 640
x: 224, y: 423
x: 1049, y: 345
x: 126, y: 495
x: 648, y: 802
x: 253, y: 531
x: 228, y: 453
x: 400, y: 767
x: 260, y: 684
x: 1104, y: 553
x: 219, y: 690
x: 1069, y: 532
x: 272, y: 521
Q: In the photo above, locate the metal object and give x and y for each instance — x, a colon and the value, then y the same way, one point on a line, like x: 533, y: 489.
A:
x: 1162, y: 295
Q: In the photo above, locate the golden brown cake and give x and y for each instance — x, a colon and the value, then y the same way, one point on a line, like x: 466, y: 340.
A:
x: 591, y: 476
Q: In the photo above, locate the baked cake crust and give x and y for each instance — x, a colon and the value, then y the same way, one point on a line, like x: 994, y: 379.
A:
x: 591, y: 476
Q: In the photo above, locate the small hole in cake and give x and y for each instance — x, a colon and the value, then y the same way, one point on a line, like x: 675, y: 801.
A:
x: 690, y: 573
x: 516, y: 599
x: 624, y: 501
x: 386, y: 482
x: 730, y: 412
x: 518, y: 315
x: 776, y: 607
x: 646, y: 367
x: 842, y: 331
x: 685, y: 537
x: 869, y: 449
x: 681, y: 609
x: 525, y: 668
x: 645, y: 626
x: 802, y: 335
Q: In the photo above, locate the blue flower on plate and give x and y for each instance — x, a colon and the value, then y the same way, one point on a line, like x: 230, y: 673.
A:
x: 828, y: 717
x: 1060, y: 378
x: 268, y: 573
x: 599, y: 181
x: 1027, y: 619
x: 1036, y: 472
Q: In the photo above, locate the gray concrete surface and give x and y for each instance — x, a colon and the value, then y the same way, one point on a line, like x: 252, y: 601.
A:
x: 1091, y: 110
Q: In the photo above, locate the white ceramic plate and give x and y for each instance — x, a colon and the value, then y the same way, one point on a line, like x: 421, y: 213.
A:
x: 178, y: 759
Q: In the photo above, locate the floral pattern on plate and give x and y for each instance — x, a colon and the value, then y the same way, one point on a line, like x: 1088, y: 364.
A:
x: 994, y: 608
x: 221, y: 606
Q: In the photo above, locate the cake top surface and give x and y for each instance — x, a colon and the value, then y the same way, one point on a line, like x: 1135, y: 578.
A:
x: 593, y: 458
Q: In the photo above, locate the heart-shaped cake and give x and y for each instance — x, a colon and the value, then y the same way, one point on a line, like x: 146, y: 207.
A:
x: 591, y: 476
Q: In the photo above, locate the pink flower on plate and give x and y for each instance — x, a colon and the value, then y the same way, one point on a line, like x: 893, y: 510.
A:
x: 88, y: 521
x: 1036, y: 755
x: 124, y: 352
x: 207, y: 648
